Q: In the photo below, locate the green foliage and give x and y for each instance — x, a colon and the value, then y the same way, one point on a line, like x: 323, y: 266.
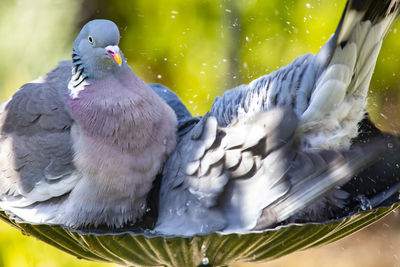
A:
x: 17, y: 250
x: 34, y: 36
x: 197, y: 48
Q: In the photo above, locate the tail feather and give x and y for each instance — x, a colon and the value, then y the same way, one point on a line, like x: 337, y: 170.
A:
x: 346, y: 65
x: 367, y: 10
x: 364, y: 24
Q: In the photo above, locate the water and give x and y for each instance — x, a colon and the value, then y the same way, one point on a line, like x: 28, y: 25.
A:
x: 205, y: 261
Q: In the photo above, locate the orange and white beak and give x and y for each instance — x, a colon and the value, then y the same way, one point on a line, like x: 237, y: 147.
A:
x: 114, y: 52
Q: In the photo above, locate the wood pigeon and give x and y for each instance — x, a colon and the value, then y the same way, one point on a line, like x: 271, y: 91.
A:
x: 277, y: 149
x: 265, y: 153
x: 83, y: 149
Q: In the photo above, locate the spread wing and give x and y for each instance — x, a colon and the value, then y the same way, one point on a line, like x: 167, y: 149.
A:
x: 249, y: 175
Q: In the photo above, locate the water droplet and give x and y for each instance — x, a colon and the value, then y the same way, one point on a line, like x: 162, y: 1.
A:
x: 308, y: 5
x: 365, y: 203
x: 205, y: 261
x: 390, y: 145
x: 159, y: 76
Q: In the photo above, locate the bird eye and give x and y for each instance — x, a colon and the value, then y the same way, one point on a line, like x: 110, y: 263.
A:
x: 90, y: 39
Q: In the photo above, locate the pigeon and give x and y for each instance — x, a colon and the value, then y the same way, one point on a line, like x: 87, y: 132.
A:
x: 267, y: 152
x: 82, y: 146
x: 279, y: 148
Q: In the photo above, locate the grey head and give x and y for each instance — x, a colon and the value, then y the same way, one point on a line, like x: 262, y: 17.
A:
x: 96, y: 52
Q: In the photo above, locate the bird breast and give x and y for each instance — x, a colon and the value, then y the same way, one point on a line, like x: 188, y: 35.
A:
x: 121, y: 134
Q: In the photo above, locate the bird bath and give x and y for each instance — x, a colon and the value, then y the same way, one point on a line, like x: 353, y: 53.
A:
x: 216, y: 249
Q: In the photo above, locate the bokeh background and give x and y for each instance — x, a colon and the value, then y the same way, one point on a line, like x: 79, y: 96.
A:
x: 199, y: 49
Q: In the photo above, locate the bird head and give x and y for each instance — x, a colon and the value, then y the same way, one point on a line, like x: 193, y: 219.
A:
x: 96, y: 49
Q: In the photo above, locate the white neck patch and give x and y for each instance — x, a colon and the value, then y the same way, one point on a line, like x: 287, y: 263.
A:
x: 76, y: 84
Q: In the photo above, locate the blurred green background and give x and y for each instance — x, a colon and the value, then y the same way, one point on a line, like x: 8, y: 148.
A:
x: 197, y: 48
